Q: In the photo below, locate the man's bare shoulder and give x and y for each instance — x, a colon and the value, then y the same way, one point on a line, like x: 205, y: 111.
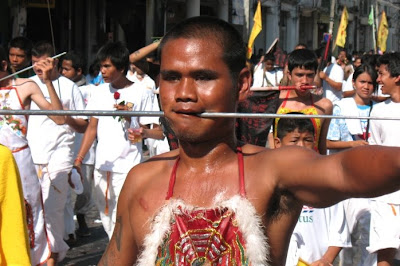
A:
x: 25, y: 82
x: 152, y: 176
x: 325, y: 104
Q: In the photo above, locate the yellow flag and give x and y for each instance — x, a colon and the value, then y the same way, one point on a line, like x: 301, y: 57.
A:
x: 341, y: 34
x: 255, y: 30
x: 383, y: 32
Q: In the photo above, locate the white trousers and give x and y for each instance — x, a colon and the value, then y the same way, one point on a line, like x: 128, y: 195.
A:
x: 107, y: 186
x: 54, y: 183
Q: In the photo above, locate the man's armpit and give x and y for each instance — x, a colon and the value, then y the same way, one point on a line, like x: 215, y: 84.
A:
x: 282, y: 202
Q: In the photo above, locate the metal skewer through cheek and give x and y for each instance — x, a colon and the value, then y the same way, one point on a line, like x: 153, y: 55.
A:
x: 279, y: 88
x: 160, y: 113
x: 28, y: 68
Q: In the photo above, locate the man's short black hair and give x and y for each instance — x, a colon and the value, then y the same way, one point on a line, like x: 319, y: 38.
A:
x: 76, y: 59
x: 22, y: 43
x: 288, y: 125
x: 302, y: 58
x: 42, y: 48
x: 392, y: 61
x: 213, y: 30
x: 117, y: 53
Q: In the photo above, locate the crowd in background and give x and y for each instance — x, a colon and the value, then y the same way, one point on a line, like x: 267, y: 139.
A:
x: 80, y: 154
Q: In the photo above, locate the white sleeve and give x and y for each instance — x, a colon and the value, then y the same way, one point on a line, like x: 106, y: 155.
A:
x: 258, y: 77
x: 78, y: 103
x: 337, y: 74
x: 339, y: 234
x: 348, y: 85
x: 147, y: 105
x: 374, y: 130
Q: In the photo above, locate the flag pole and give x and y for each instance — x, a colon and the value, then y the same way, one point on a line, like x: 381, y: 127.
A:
x: 373, y: 30
x: 331, y: 19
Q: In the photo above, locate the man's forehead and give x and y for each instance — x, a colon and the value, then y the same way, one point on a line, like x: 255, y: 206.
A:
x: 16, y: 50
x: 302, y: 69
x: 38, y: 58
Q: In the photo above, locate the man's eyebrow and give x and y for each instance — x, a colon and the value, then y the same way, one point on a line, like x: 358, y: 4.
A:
x: 169, y: 72
x: 206, y: 72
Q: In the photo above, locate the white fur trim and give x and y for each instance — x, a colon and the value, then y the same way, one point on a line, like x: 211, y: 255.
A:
x: 257, y: 248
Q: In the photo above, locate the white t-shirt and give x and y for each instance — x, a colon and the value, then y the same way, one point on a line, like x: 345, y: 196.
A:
x: 46, y: 138
x: 335, y: 73
x: 270, y: 78
x: 114, y: 152
x: 386, y: 133
x: 348, y: 84
x: 315, y: 231
x: 86, y: 91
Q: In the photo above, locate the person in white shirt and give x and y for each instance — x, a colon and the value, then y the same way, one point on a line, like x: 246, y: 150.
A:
x: 139, y: 70
x: 332, y: 77
x: 52, y: 149
x: 72, y: 65
x: 267, y: 75
x: 385, y: 218
x: 319, y: 234
x: 115, y: 153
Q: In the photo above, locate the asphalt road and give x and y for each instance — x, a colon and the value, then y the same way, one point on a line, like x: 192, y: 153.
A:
x: 88, y: 250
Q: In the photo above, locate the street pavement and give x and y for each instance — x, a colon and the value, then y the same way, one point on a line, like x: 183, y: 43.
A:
x: 88, y: 250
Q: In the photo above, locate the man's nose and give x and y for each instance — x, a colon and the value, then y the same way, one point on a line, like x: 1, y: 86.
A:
x: 185, y: 90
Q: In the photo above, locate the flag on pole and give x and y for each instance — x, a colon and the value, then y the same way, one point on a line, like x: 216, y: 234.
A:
x: 383, y: 32
x: 371, y: 17
x: 341, y: 34
x: 255, y: 30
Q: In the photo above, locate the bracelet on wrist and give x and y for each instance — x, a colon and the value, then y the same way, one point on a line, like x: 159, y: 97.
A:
x: 79, y: 159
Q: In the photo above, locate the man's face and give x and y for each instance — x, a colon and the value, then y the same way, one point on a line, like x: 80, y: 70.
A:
x: 68, y: 71
x: 269, y: 65
x: 301, y: 77
x: 109, y: 72
x: 36, y: 59
x: 388, y: 82
x: 296, y: 138
x: 18, y: 58
x: 194, y: 79
x: 342, y: 56
x: 357, y: 62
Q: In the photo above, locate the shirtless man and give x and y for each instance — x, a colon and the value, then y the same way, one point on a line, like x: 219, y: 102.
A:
x: 242, y: 195
x: 19, y: 94
x: 302, y: 68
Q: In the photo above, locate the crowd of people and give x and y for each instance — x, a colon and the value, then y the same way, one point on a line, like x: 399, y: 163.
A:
x: 184, y: 189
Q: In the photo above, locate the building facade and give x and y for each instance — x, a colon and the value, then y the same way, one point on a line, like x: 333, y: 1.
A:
x: 84, y: 25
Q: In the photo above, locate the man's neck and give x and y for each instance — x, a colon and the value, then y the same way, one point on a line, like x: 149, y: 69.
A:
x: 206, y: 153
x: 121, y: 82
x: 395, y: 95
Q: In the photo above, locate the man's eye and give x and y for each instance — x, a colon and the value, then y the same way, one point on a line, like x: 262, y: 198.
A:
x: 170, y: 78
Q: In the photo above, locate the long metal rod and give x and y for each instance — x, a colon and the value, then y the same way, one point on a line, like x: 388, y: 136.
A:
x: 281, y: 88
x: 27, y: 68
x: 156, y: 114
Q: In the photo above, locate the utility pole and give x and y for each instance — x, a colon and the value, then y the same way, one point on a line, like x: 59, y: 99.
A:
x: 331, y: 20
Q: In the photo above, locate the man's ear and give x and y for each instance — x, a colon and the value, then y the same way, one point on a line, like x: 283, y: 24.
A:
x: 79, y: 71
x: 244, y: 83
x: 289, y: 75
x: 4, y: 65
x: 277, y: 143
x: 397, y: 80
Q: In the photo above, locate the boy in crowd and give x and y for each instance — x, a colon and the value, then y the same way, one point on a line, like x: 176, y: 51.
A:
x: 319, y: 234
x: 19, y: 55
x: 52, y: 148
x: 115, y: 153
x: 385, y: 219
x: 72, y: 66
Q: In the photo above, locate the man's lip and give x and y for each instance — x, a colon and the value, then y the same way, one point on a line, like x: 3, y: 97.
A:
x: 187, y: 111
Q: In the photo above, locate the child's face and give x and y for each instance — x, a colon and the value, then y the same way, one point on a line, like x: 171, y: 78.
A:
x: 296, y: 138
